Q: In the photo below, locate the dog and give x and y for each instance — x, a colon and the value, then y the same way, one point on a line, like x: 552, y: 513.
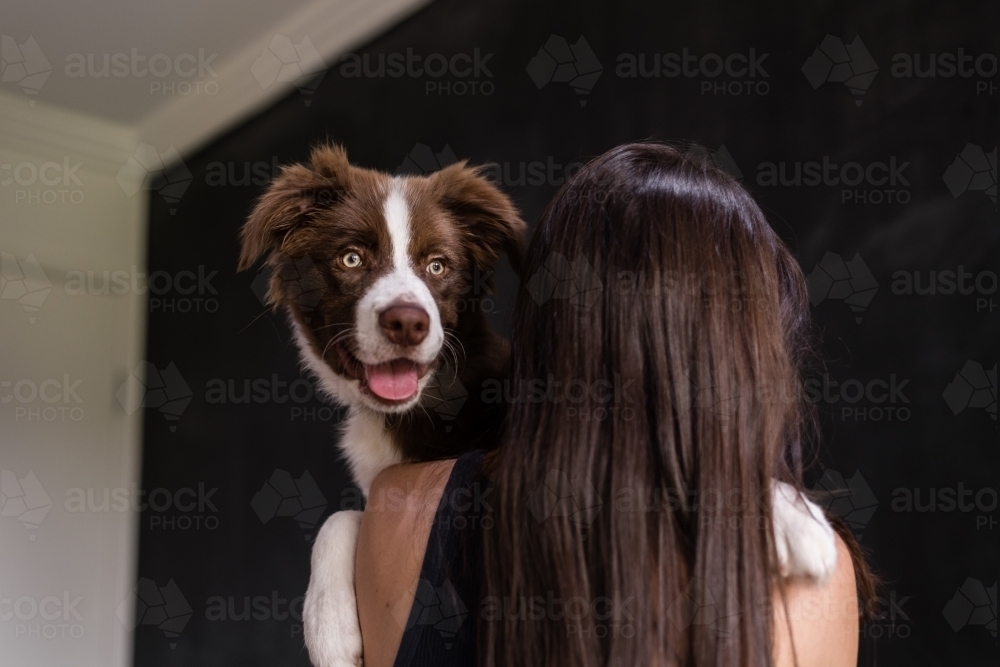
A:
x: 383, y: 279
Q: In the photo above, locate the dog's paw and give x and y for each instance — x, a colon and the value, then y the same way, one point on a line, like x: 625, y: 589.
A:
x: 330, y: 610
x: 804, y: 540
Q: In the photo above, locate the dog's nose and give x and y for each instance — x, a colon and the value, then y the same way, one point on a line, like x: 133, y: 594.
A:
x: 404, y: 324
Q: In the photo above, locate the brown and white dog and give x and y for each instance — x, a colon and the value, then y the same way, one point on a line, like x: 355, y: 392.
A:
x: 378, y: 276
x: 383, y: 278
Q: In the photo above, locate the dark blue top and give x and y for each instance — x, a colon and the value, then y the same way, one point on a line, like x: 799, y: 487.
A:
x: 441, y: 629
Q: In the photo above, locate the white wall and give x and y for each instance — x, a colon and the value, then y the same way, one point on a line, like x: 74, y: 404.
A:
x: 82, y: 220
x: 63, y: 220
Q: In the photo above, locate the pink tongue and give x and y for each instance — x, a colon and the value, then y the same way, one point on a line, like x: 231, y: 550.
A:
x: 394, y: 380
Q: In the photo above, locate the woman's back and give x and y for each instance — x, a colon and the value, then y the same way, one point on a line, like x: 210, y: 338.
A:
x: 400, y: 522
x: 655, y: 397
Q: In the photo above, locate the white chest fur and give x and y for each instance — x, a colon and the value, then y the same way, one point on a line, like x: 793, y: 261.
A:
x: 366, y: 446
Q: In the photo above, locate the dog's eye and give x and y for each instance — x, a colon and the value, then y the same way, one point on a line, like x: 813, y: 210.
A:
x: 351, y: 260
x: 436, y: 267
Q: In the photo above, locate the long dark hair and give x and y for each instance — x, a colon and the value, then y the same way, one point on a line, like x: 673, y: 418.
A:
x: 655, y: 392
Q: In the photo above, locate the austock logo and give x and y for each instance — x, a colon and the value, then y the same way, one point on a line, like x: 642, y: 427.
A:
x: 947, y: 282
x: 973, y: 387
x: 559, y: 62
x: 438, y: 606
x: 560, y: 496
x: 181, y: 74
x: 45, y: 617
x: 836, y: 280
x: 890, y: 621
x: 271, y: 607
x: 743, y: 74
x: 24, y: 282
x: 852, y: 499
x: 162, y: 606
x: 164, y: 173
x: 147, y: 387
x: 944, y: 65
x: 48, y: 182
x: 560, y: 279
x: 284, y: 496
x: 973, y: 170
x: 283, y: 61
x: 183, y: 292
x: 62, y: 402
x: 722, y: 159
x: 948, y: 499
x: 702, y: 604
x: 422, y: 160
x: 445, y: 395
x: 853, y: 282
x: 973, y: 604
x: 600, y: 616
x: 722, y: 402
x: 947, y: 66
x: 596, y: 400
x: 297, y: 281
x: 24, y: 499
x: 548, y: 172
x: 246, y: 174
x: 458, y: 74
x: 835, y: 62
x: 305, y: 401
x: 576, y: 281
x: 23, y: 64
x: 185, y: 508
x: 872, y: 400
x: 876, y: 182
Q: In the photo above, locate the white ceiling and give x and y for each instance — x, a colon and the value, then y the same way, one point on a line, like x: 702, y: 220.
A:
x: 99, y: 27
x: 176, y: 109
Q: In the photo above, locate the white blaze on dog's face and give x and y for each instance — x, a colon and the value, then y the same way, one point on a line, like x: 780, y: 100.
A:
x: 376, y: 270
x: 398, y: 331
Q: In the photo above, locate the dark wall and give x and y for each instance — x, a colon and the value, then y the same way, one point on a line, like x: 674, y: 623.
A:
x: 909, y: 393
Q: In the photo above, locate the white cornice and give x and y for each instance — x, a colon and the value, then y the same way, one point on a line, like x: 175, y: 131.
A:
x: 333, y: 27
x: 49, y: 131
x: 188, y: 122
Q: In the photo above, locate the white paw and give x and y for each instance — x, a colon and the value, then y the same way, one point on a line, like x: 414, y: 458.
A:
x: 805, y: 541
x: 330, y: 610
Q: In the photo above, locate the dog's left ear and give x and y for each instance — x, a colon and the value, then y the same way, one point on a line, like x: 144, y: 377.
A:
x: 488, y: 216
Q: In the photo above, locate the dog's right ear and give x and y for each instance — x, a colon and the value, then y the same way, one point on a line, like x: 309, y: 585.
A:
x: 291, y: 199
x: 488, y: 216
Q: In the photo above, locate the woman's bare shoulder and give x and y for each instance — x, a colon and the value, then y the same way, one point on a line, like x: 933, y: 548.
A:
x: 821, y: 619
x: 401, y: 505
x: 402, y: 502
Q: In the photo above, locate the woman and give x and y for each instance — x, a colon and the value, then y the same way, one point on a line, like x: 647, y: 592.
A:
x: 655, y: 392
